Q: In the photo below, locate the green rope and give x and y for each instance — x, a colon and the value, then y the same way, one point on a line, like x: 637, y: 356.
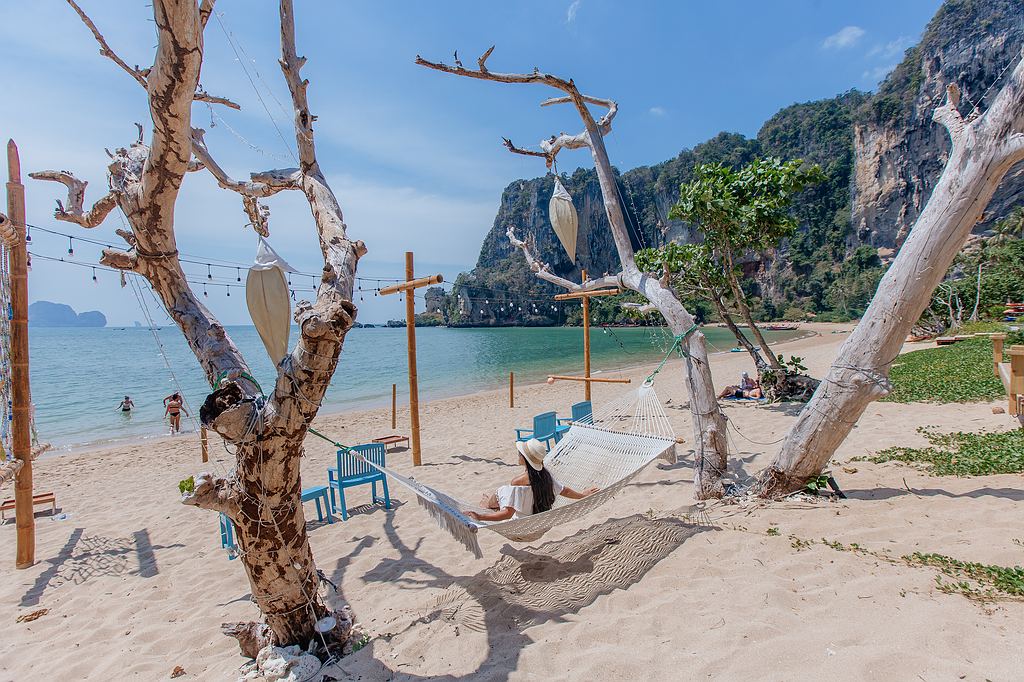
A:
x: 244, y: 375
x: 332, y: 442
x: 676, y: 347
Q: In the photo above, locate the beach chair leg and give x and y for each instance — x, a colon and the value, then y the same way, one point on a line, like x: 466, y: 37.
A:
x: 319, y: 513
x: 387, y: 495
x: 330, y: 514
x: 373, y: 492
x: 344, y: 506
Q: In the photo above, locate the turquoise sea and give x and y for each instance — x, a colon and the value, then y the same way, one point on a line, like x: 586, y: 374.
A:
x: 80, y: 375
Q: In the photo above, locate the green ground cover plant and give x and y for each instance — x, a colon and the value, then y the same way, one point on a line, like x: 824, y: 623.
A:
x: 963, y: 454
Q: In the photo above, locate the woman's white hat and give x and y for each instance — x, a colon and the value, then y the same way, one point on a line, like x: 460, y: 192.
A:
x: 533, y: 451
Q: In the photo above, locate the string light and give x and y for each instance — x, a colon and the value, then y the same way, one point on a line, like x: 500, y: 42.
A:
x: 238, y: 274
x: 94, y: 275
x: 71, y: 247
x: 209, y: 272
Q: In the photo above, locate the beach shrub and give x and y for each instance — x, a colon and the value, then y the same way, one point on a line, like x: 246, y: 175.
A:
x: 963, y: 454
x: 972, y: 579
x: 959, y: 373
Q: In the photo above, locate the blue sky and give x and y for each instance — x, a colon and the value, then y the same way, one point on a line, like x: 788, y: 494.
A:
x: 414, y: 155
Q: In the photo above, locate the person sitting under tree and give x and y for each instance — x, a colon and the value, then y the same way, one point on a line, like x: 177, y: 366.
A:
x: 747, y: 388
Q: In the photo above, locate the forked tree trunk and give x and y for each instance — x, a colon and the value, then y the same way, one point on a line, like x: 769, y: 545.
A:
x: 741, y: 338
x: 981, y: 154
x: 710, y: 447
x: 262, y: 497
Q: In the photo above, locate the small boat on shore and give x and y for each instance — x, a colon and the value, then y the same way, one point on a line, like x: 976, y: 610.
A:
x: 781, y: 327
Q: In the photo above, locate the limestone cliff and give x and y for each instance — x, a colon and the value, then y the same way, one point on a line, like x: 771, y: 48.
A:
x: 881, y: 154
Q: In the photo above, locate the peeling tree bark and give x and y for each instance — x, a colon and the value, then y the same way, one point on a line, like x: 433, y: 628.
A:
x: 262, y: 498
x: 710, y: 446
x: 983, y: 150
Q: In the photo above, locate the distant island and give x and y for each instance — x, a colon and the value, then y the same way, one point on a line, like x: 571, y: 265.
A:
x: 49, y: 314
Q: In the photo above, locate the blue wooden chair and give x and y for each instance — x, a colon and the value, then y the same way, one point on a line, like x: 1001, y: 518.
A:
x: 318, y: 494
x: 582, y: 413
x: 545, y: 429
x: 352, y: 471
x: 227, y: 536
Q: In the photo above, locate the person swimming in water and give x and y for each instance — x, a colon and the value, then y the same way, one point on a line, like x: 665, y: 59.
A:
x: 175, y: 406
x: 126, y: 406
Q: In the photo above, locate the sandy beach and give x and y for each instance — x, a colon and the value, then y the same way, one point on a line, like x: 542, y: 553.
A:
x: 134, y: 584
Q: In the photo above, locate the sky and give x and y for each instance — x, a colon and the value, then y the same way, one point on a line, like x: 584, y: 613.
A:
x: 414, y: 156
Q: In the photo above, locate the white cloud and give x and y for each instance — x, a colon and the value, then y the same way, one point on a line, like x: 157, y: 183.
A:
x: 574, y: 7
x: 847, y: 36
x: 893, y: 48
x: 658, y: 111
x: 878, y: 73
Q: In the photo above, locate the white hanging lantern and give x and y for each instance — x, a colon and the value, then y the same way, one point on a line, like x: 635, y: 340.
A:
x: 564, y: 219
x: 268, y: 299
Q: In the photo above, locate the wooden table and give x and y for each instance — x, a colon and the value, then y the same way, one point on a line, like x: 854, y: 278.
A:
x: 392, y: 440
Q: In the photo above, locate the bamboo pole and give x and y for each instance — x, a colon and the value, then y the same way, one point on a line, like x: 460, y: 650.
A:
x: 20, y: 395
x: 411, y: 284
x: 204, y: 442
x: 511, y: 389
x: 586, y: 341
x: 589, y: 380
x: 587, y: 294
x: 410, y: 326
x: 394, y: 406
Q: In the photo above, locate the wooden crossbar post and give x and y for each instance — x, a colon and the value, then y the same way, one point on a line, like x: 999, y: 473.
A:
x: 204, y: 443
x: 997, y: 350
x: 511, y: 389
x: 394, y: 406
x: 1016, y: 387
x: 409, y: 287
x: 590, y: 380
x: 586, y: 341
x: 20, y: 397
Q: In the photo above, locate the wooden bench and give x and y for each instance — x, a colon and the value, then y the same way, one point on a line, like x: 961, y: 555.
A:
x: 1010, y: 373
x: 392, y: 440
x: 42, y: 498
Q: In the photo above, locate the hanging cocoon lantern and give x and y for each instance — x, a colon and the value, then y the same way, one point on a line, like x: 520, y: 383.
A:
x: 266, y: 294
x: 563, y: 218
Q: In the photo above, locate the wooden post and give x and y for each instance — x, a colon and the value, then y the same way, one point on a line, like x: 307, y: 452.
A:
x: 394, y: 406
x: 204, y: 442
x: 586, y: 342
x: 409, y: 287
x: 1016, y: 387
x: 20, y: 396
x: 997, y: 350
x: 511, y: 389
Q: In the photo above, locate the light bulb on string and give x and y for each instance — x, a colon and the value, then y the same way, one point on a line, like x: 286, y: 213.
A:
x: 209, y: 273
x: 28, y: 234
x: 71, y: 247
x: 238, y: 274
x: 204, y: 290
x: 94, y: 275
x: 228, y: 287
x: 293, y: 294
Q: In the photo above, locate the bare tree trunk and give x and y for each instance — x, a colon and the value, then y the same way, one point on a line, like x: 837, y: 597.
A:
x: 741, y: 338
x: 983, y: 150
x: 262, y: 497
x: 710, y: 445
x: 977, y: 297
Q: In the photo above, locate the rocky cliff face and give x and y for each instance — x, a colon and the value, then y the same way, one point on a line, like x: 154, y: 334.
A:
x: 900, y: 150
x: 881, y: 154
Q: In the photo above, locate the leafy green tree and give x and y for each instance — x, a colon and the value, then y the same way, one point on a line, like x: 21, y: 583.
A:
x: 741, y: 211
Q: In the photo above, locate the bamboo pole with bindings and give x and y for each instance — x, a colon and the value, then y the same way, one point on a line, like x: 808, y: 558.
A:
x: 409, y: 287
x: 21, y: 400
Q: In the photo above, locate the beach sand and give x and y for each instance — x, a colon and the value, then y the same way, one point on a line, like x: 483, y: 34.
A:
x: 135, y: 584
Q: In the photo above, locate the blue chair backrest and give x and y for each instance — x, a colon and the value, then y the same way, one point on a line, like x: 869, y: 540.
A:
x: 583, y: 412
x: 544, y: 424
x: 350, y: 466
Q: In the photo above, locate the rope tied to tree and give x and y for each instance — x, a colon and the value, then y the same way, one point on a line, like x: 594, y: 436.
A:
x: 677, y: 346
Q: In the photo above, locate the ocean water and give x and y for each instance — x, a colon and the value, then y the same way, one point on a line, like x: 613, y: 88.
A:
x: 79, y: 376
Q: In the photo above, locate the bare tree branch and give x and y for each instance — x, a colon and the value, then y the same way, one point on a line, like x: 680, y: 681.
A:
x: 74, y: 212
x: 141, y: 76
x: 949, y: 116
x: 205, y: 10
x: 291, y: 65
x: 120, y: 260
x: 543, y: 270
x: 264, y: 184
x: 213, y: 493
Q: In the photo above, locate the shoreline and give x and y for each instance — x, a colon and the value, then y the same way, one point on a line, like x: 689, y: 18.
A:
x: 98, y: 447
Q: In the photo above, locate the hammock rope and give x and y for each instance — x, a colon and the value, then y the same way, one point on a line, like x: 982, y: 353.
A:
x: 677, y: 346
x: 623, y: 439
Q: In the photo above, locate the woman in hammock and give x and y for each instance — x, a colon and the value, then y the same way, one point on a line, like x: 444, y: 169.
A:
x: 532, y: 492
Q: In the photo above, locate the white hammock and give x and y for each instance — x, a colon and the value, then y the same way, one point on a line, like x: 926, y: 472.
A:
x: 607, y: 454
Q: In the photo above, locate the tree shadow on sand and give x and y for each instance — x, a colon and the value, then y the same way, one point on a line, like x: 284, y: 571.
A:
x: 524, y: 587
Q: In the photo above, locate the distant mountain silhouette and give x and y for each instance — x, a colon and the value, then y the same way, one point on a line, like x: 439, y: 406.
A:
x: 49, y: 314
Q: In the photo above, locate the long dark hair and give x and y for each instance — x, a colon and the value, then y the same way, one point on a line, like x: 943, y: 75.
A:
x: 543, y: 488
